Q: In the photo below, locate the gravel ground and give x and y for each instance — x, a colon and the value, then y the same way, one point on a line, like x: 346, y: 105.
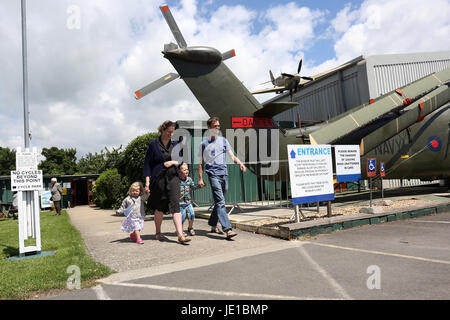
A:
x: 336, y: 211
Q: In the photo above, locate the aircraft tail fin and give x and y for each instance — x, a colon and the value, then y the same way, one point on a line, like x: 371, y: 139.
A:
x: 272, y: 78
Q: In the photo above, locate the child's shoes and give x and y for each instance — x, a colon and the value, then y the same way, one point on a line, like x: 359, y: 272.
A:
x: 140, y: 241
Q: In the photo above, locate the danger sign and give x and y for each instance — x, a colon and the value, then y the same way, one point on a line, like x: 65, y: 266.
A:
x: 26, y: 180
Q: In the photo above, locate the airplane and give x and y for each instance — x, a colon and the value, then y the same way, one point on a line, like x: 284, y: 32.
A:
x: 286, y: 81
x: 408, y: 129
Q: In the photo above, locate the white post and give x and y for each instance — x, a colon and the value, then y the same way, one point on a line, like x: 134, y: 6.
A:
x: 28, y: 199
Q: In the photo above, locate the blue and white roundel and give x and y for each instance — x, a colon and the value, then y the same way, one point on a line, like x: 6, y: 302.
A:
x: 434, y: 144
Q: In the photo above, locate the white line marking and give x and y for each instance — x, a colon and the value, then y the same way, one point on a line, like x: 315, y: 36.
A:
x: 340, y: 290
x: 430, y: 221
x: 221, y: 293
x: 381, y: 253
x: 100, y: 293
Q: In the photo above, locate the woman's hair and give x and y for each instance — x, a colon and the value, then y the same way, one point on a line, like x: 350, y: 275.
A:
x: 166, y: 124
x: 136, y: 184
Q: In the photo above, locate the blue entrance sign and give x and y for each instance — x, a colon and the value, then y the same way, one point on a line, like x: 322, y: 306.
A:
x: 311, y: 173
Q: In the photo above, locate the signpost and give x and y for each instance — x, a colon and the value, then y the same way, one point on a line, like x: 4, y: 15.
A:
x: 311, y: 174
x: 382, y: 175
x: 27, y: 181
x: 371, y: 172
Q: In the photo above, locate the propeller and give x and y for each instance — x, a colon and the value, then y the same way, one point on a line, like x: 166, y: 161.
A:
x: 156, y: 85
x: 173, y: 26
x: 182, y: 45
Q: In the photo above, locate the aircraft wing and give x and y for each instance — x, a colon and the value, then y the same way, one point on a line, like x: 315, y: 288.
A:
x: 273, y: 108
x: 412, y: 114
x: 274, y: 89
x: 393, y: 103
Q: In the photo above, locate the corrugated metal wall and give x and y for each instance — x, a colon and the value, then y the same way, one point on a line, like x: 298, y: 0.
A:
x: 389, y: 77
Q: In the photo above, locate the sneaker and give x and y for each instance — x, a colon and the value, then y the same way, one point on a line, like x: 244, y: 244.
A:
x: 139, y: 241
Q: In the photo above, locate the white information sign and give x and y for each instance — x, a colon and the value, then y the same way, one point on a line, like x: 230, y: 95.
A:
x: 26, y: 160
x: 311, y: 173
x: 348, y: 164
x: 26, y: 180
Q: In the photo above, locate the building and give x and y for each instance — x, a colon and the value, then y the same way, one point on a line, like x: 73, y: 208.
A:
x: 355, y: 83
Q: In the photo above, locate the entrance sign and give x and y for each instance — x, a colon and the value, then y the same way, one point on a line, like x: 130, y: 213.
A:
x: 371, y: 167
x: 311, y: 173
x: 348, y: 164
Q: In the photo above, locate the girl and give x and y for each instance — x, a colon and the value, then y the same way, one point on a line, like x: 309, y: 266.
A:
x: 133, y: 207
x: 186, y: 208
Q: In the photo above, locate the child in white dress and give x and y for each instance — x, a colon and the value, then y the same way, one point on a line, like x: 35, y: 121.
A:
x: 133, y: 208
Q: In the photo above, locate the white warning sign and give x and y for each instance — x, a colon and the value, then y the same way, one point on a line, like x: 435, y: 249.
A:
x: 26, y: 180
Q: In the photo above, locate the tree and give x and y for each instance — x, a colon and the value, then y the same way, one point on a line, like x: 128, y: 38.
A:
x: 91, y: 163
x: 100, y: 162
x: 7, y: 161
x: 133, y: 156
x: 59, y: 161
x: 108, y: 190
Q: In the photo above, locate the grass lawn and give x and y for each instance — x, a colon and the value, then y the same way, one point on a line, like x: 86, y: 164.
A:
x: 23, y: 279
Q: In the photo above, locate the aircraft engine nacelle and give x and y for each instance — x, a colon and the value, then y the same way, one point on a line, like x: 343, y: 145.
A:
x: 206, y: 55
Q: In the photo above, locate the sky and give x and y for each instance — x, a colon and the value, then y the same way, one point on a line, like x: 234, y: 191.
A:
x: 86, y: 58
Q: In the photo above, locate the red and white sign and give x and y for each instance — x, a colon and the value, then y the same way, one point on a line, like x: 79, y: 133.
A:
x: 251, y: 122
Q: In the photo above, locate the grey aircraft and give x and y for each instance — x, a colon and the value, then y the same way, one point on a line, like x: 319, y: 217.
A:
x: 286, y: 81
x: 408, y: 129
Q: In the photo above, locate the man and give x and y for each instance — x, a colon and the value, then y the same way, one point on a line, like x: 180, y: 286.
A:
x: 213, y: 158
x: 56, y: 195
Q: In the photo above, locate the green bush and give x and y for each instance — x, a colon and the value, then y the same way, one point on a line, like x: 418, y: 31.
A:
x: 133, y: 156
x: 108, y: 190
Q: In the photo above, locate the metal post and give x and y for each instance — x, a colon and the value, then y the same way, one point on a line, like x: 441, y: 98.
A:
x: 25, y: 75
x: 329, y: 208
x: 370, y: 186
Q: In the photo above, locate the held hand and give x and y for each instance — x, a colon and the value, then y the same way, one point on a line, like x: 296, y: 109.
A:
x: 242, y: 167
x: 147, y: 189
x: 201, y: 183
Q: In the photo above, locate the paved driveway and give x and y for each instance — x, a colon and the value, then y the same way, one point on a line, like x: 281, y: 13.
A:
x: 407, y: 259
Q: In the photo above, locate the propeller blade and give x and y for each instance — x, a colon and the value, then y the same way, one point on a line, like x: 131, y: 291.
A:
x: 228, y: 54
x: 264, y: 82
x: 308, y: 78
x: 299, y: 66
x: 155, y: 85
x: 173, y: 26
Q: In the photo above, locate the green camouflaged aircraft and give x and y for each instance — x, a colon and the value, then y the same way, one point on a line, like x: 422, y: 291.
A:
x: 407, y: 129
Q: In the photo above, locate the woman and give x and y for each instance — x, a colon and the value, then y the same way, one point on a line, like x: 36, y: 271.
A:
x: 161, y: 178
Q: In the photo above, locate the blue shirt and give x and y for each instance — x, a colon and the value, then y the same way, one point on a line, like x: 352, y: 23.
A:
x: 214, y: 154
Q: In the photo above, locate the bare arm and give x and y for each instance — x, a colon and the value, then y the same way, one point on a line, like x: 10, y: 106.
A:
x: 237, y: 161
x: 200, y: 173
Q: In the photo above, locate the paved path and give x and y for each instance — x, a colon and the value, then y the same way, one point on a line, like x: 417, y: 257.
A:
x: 407, y: 259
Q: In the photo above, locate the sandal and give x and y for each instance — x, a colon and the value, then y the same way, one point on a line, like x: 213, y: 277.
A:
x: 231, y: 234
x: 183, y: 239
x: 158, y: 236
x: 191, y: 231
x: 216, y: 230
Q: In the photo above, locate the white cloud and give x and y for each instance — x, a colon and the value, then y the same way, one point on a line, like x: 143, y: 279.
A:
x: 81, y: 82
